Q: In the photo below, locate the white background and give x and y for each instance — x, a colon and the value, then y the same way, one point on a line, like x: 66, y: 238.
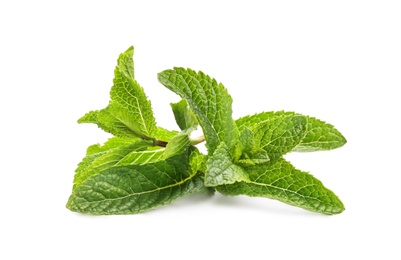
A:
x: 337, y: 60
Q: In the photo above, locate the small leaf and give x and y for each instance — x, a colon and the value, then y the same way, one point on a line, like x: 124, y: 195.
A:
x: 248, y: 152
x: 135, y: 188
x: 197, y: 161
x: 208, y: 100
x: 280, y: 180
x: 318, y: 135
x: 129, y: 113
x: 177, y: 144
x: 184, y: 117
x: 130, y: 105
x: 221, y: 170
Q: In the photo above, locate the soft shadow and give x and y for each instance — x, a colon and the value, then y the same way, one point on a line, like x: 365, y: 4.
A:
x: 183, y: 204
x: 261, y: 205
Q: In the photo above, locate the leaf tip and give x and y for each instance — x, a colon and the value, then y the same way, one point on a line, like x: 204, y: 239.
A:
x: 90, y: 117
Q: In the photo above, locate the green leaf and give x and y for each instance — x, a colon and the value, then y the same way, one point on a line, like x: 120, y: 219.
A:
x: 220, y: 168
x: 141, y: 157
x: 184, y: 117
x: 248, y: 152
x: 318, y: 135
x: 281, y: 181
x: 279, y: 135
x: 253, y: 120
x: 197, y: 161
x: 118, y: 151
x: 125, y: 62
x: 108, y: 122
x: 90, y: 117
x: 208, y: 100
x: 135, y: 188
x: 129, y: 113
x: 165, y: 135
x: 177, y: 144
x: 95, y: 163
x: 111, y: 143
x: 130, y: 105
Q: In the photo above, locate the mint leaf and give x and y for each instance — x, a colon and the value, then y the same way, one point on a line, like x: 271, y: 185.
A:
x: 318, y: 135
x: 281, y: 181
x: 253, y: 120
x: 125, y: 62
x: 184, y: 117
x: 135, y: 188
x: 130, y: 105
x: 95, y: 163
x: 118, y: 151
x: 279, y: 135
x: 177, y: 144
x: 208, y: 100
x: 108, y: 122
x: 141, y: 157
x: 197, y: 161
x: 221, y: 170
x: 248, y: 151
x: 129, y: 113
x: 165, y: 135
x: 113, y: 142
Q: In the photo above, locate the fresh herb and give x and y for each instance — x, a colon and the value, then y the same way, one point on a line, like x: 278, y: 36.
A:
x: 144, y: 166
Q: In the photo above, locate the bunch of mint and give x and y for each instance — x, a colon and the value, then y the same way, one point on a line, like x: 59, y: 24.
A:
x: 144, y: 166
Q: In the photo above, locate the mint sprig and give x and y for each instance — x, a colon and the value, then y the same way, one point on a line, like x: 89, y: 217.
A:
x: 144, y: 165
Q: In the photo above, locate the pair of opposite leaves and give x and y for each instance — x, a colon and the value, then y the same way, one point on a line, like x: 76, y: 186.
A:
x: 144, y: 166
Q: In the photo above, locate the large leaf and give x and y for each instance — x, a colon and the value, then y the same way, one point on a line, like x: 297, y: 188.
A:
x: 96, y: 162
x: 280, y: 180
x: 209, y: 101
x: 100, y: 158
x: 135, y: 188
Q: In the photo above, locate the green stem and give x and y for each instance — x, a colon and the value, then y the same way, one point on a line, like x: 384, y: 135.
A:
x: 198, y: 140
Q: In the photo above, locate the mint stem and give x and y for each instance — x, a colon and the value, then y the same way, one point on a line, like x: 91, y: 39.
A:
x: 198, y: 140
x: 159, y: 143
x: 162, y: 143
